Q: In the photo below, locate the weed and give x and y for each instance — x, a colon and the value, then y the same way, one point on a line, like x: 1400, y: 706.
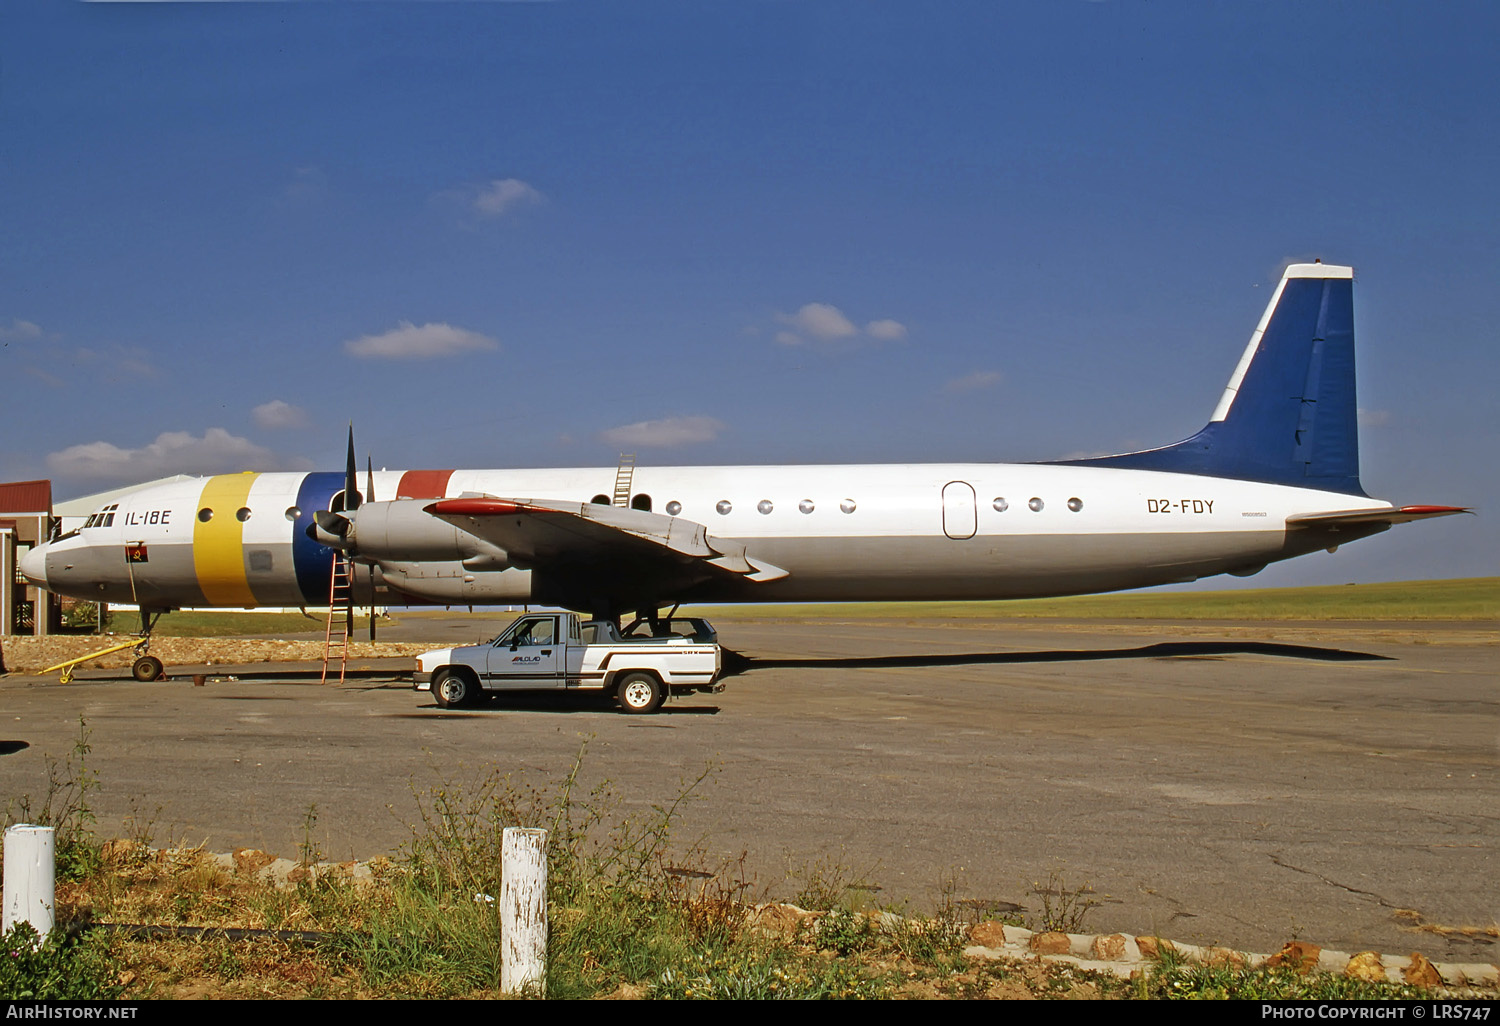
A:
x: 762, y: 974
x: 308, y: 854
x: 711, y: 903
x: 1175, y: 977
x: 140, y: 828
x: 620, y: 908
x: 939, y: 940
x: 65, y: 808
x: 1063, y: 910
x: 845, y: 932
x: 61, y: 968
x: 830, y: 882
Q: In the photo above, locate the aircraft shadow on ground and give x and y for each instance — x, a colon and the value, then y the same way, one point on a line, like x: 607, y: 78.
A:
x: 734, y: 663
x: 557, y: 703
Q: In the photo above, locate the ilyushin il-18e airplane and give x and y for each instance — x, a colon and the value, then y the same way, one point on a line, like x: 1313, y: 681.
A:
x: 1274, y: 474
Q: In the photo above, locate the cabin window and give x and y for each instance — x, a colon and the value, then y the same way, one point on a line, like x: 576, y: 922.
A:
x: 642, y: 501
x: 724, y: 506
x: 600, y: 500
x: 292, y: 512
x: 242, y: 514
x: 806, y: 506
x: 1035, y: 505
x: 764, y: 506
x: 205, y: 514
x: 1075, y: 504
x: 1000, y: 505
x: 847, y: 506
x: 673, y: 508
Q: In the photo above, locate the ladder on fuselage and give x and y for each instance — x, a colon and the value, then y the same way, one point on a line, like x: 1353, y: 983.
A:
x: 624, y: 474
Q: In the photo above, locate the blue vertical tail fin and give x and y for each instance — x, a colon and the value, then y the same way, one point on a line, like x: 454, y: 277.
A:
x: 1288, y: 415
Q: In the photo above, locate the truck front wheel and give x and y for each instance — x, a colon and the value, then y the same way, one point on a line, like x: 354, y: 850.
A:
x: 641, y: 693
x: 454, y: 689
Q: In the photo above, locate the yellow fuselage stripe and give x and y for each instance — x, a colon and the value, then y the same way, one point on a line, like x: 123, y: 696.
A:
x: 218, y: 549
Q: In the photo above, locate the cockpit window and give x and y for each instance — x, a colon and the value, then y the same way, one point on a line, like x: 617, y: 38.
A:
x: 104, y: 518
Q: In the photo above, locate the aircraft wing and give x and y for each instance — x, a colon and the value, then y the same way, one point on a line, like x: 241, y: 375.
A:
x: 1383, y: 515
x: 583, y: 539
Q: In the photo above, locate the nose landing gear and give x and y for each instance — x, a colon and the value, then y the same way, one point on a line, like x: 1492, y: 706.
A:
x: 146, y: 666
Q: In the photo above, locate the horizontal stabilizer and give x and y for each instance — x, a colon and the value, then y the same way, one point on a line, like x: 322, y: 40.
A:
x: 1386, y: 515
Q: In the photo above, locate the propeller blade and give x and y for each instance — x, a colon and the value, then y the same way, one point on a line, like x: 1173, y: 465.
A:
x: 351, y: 475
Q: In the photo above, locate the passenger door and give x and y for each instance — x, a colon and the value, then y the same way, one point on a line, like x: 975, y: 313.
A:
x: 531, y: 654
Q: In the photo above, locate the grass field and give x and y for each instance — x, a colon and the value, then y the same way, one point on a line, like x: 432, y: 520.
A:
x: 1474, y: 598
x: 232, y: 624
x: 1467, y: 599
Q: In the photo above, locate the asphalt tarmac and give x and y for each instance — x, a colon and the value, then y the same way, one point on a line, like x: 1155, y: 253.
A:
x: 1240, y: 784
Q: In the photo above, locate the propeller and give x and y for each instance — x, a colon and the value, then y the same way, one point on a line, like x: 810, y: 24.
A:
x: 333, y: 527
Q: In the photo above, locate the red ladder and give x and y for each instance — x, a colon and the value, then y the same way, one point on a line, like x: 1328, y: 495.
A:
x: 340, y: 618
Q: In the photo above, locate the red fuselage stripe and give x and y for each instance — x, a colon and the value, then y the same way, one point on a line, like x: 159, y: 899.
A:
x: 423, y: 484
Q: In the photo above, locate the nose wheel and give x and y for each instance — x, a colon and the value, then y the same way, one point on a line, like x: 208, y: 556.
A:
x: 147, y: 668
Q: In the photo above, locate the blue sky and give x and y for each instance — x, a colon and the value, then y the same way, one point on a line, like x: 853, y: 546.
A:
x: 535, y: 234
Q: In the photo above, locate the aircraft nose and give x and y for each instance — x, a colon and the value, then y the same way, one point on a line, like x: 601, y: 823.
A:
x: 34, y: 566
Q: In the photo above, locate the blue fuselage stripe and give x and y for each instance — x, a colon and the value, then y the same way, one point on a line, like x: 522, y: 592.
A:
x: 312, y: 559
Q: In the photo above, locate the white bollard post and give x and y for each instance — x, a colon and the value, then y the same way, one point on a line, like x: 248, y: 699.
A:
x: 30, y: 874
x: 523, y: 911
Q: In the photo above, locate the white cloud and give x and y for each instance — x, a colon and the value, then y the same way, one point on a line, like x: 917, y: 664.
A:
x: 173, y: 452
x: 820, y: 320
x: 409, y: 342
x: 503, y: 194
x: 974, y: 382
x: 115, y: 360
x: 672, y: 431
x: 55, y: 361
x: 827, y: 323
x: 19, y: 331
x: 886, y: 330
x: 277, y: 415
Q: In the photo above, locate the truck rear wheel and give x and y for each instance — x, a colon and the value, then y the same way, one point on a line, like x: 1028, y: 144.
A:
x: 454, y: 689
x: 641, y: 693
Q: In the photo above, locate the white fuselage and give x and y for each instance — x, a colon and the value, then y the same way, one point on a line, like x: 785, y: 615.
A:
x: 928, y: 531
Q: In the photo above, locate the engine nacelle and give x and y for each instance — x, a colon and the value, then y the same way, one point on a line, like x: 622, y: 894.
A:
x: 401, y: 532
x: 453, y: 584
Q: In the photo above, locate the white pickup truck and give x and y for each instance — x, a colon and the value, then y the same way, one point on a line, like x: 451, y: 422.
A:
x: 640, y: 666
